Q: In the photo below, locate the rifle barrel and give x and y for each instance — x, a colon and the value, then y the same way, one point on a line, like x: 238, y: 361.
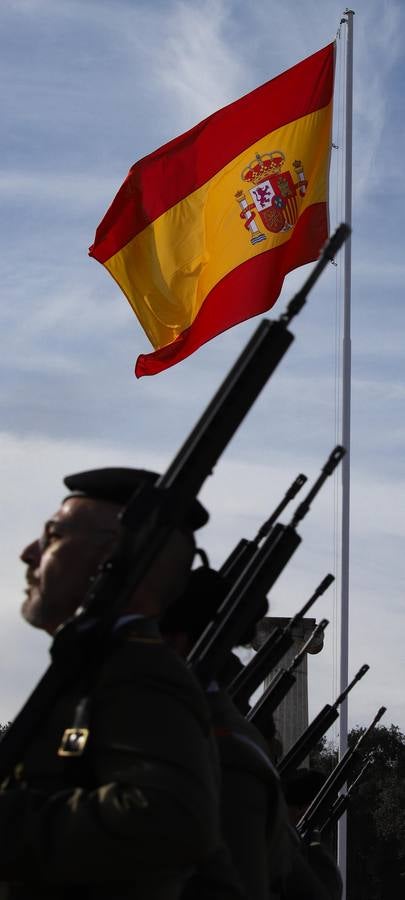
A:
x: 318, y: 630
x: 240, y: 607
x: 272, y: 651
x: 343, y: 800
x: 316, y: 812
x: 244, y: 551
x: 335, y: 457
x: 280, y: 685
x: 331, y: 248
x: 316, y: 729
x: 288, y: 496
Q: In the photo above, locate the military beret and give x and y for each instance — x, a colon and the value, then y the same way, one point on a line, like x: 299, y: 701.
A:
x: 119, y: 484
x: 194, y: 609
x: 302, y: 785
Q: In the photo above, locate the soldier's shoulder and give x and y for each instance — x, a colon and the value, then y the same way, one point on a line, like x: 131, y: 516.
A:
x: 240, y: 741
x: 140, y: 658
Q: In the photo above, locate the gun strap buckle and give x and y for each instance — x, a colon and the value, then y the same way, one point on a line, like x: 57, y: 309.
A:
x: 73, y: 741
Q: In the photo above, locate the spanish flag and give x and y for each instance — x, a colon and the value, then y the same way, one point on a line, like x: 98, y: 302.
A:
x: 203, y: 231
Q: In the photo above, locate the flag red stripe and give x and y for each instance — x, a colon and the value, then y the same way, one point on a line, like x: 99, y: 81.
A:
x: 250, y: 289
x: 171, y: 173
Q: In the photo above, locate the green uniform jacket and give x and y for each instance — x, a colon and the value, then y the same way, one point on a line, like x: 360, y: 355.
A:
x: 215, y: 879
x: 314, y: 874
x: 134, y: 814
x: 252, y: 809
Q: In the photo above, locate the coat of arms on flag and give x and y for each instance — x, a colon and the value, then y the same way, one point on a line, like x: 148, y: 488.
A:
x: 274, y: 193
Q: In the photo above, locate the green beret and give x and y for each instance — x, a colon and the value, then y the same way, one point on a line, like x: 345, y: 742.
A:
x: 119, y: 484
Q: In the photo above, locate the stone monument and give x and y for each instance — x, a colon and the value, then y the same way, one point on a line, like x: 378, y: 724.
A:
x: 291, y: 716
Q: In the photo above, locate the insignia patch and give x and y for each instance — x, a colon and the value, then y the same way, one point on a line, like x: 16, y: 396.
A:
x: 274, y: 195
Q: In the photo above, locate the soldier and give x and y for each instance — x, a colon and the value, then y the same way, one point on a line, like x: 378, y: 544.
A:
x: 313, y: 865
x: 268, y: 856
x: 252, y: 809
x: 131, y: 814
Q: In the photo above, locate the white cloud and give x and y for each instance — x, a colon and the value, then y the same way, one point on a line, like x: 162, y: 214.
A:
x: 76, y: 190
x: 196, y: 63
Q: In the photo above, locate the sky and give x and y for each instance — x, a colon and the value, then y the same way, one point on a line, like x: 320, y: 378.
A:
x: 88, y: 87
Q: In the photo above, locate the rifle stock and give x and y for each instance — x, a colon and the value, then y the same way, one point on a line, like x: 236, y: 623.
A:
x: 242, y: 554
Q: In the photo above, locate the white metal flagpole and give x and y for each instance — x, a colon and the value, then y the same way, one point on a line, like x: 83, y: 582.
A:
x: 346, y: 399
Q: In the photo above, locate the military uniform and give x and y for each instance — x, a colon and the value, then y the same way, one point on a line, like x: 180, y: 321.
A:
x: 314, y: 871
x: 215, y: 879
x: 252, y: 808
x: 133, y: 815
x: 313, y: 874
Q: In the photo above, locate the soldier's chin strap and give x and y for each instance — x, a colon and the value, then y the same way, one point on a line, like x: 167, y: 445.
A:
x: 203, y: 557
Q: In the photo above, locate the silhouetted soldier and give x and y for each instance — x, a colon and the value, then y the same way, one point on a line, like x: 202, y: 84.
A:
x: 133, y: 806
x: 252, y: 808
x: 312, y: 859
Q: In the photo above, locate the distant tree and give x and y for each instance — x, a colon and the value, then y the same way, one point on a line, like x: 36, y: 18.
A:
x: 3, y: 727
x: 376, y: 815
x: 323, y: 756
x: 376, y: 820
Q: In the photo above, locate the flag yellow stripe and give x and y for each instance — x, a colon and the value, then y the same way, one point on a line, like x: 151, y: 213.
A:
x: 197, y: 242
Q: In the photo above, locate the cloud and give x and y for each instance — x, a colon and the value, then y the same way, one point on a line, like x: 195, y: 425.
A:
x: 73, y: 190
x: 378, y: 38
x: 196, y: 63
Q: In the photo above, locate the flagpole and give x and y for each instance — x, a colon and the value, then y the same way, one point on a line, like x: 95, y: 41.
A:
x: 346, y: 403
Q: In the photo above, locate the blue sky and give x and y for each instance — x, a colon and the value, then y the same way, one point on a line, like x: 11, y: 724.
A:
x: 87, y: 87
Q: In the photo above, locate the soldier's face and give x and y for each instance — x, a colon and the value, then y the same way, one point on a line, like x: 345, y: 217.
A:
x: 60, y: 564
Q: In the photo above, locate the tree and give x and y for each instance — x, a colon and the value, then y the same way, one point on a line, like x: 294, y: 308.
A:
x: 376, y: 815
x: 376, y: 820
x: 323, y: 756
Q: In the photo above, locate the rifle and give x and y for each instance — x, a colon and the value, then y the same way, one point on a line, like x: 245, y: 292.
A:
x: 343, y: 800
x: 241, y: 555
x: 317, y: 812
x: 242, y: 604
x: 154, y: 511
x: 271, y: 652
x: 279, y: 686
x: 316, y: 729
